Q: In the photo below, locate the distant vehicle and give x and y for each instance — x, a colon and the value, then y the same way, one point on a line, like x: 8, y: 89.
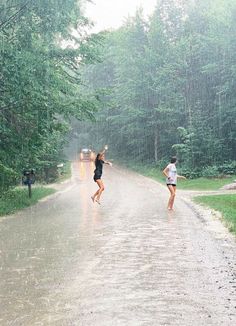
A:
x: 86, y: 154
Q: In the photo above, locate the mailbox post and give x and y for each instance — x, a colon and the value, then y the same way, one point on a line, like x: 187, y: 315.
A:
x: 28, y: 179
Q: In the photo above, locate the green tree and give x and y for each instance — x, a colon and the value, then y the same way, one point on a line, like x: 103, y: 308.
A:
x: 40, y: 82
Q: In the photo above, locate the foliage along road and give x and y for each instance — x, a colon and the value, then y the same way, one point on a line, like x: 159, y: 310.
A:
x: 67, y: 261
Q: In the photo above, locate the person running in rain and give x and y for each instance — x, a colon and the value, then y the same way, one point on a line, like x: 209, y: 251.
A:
x: 171, y: 180
x: 100, y: 160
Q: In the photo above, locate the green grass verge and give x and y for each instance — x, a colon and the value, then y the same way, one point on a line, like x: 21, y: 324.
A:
x: 226, y: 204
x: 205, y: 183
x: 149, y: 171
x: 190, y: 184
x: 18, y: 198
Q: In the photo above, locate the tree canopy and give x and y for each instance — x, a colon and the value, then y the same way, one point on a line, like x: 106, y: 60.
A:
x: 43, y: 44
x: 165, y: 85
x: 170, y: 84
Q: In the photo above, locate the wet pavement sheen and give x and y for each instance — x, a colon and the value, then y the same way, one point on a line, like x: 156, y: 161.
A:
x: 129, y: 262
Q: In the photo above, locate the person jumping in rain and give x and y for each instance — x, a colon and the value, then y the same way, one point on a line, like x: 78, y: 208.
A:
x: 100, y: 160
x: 171, y: 180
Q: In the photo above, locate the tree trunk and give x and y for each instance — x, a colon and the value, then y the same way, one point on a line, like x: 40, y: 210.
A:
x: 155, y: 145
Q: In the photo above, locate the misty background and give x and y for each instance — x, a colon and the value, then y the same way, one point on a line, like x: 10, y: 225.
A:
x: 160, y: 82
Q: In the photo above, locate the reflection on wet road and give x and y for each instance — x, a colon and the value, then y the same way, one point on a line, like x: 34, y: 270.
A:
x: 68, y: 261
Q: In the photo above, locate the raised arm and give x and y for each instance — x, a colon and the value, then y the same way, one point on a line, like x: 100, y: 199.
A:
x: 104, y: 150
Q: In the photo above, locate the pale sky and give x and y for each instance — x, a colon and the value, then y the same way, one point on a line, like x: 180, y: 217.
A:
x: 112, y: 13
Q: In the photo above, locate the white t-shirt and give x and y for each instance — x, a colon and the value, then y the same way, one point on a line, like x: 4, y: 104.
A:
x: 172, y: 174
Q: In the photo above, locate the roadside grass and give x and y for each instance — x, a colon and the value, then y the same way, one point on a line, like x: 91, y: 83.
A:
x: 149, y: 171
x: 205, y: 183
x: 18, y: 198
x: 189, y: 184
x: 225, y: 204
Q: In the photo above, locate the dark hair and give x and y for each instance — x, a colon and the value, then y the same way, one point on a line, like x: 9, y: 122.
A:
x: 98, y: 157
x: 173, y: 159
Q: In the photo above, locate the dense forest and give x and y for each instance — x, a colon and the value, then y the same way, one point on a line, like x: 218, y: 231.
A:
x: 169, y: 88
x: 40, y: 82
x: 160, y: 86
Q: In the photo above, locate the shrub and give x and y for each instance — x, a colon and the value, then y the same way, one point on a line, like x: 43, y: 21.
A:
x: 210, y: 171
x: 188, y: 173
x: 8, y: 177
x: 228, y: 168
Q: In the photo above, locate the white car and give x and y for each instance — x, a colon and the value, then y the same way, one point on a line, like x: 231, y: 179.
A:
x: 86, y: 154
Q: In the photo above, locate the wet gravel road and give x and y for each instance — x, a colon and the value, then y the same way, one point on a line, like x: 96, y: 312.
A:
x: 129, y: 262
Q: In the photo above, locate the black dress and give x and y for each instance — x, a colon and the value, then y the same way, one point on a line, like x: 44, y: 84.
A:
x: 98, y: 170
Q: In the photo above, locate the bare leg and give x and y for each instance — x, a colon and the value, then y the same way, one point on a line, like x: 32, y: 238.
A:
x: 95, y: 195
x: 173, y: 198
x: 172, y: 190
x: 100, y: 190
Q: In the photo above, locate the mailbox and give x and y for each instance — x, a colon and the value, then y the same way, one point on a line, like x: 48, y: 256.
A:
x: 28, y: 179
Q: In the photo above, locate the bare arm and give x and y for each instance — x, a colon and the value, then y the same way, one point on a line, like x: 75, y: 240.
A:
x: 165, y: 172
x: 104, y: 150
x: 107, y: 162
x: 181, y: 177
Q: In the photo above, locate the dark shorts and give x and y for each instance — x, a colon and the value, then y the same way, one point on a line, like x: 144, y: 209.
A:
x: 97, y: 177
x: 170, y: 184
